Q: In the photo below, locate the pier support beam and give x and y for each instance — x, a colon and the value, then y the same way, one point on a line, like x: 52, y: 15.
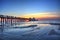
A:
x: 2, y: 24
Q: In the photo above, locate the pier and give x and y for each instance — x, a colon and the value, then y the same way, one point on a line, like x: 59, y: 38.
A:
x: 11, y: 20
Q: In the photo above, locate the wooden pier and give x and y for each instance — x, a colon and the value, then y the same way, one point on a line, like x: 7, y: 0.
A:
x: 11, y: 20
x: 4, y: 19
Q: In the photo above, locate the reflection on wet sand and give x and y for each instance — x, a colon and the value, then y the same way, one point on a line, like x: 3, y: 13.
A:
x: 31, y: 31
x: 44, y: 24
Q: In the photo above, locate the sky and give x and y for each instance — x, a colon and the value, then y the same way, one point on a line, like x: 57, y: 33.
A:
x: 30, y: 8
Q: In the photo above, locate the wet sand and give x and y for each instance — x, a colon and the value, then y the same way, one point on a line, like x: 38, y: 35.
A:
x: 40, y: 32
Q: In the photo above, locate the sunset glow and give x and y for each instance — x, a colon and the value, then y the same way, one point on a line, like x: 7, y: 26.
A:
x: 39, y: 15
